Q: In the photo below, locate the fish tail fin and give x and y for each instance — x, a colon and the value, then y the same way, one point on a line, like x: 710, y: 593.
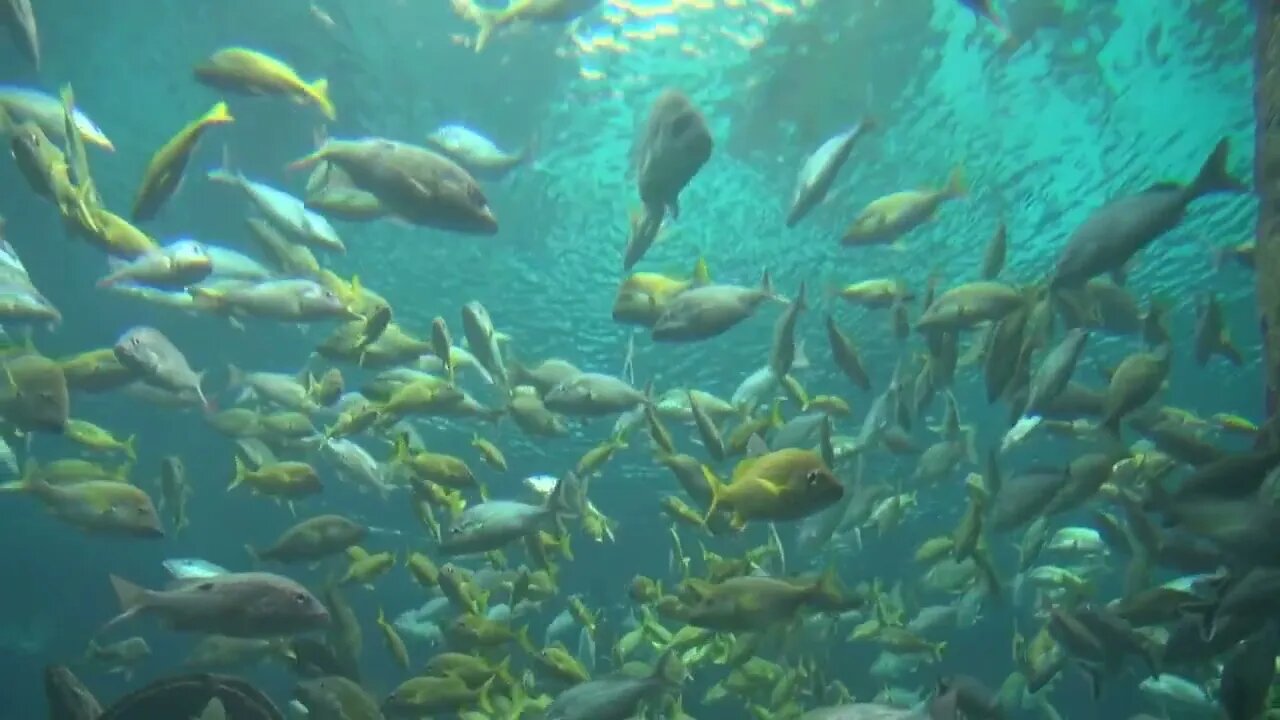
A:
x: 319, y: 91
x: 957, y: 184
x: 219, y: 114
x: 669, y: 669
x: 131, y: 448
x: 827, y: 587
x: 717, y: 492
x: 484, y: 703
x: 309, y: 161
x: 253, y: 554
x: 800, y: 302
x: 701, y: 272
x: 241, y: 472
x: 1214, y: 176
x: 130, y: 596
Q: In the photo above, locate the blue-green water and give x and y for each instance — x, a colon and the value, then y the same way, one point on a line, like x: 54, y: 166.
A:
x: 1103, y: 99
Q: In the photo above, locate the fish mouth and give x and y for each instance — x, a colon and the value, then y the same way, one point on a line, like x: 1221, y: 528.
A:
x: 151, y: 531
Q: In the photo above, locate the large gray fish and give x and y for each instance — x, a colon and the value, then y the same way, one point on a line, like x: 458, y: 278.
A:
x: 494, y: 524
x: 253, y: 604
x: 709, y: 310
x: 863, y: 711
x: 147, y: 352
x: 617, y: 696
x: 1118, y: 230
x: 673, y: 146
x: 413, y: 183
x: 21, y: 21
x: 820, y: 170
x: 593, y: 394
x: 67, y: 697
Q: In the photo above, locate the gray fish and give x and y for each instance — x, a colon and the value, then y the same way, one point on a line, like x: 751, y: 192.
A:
x: 1248, y: 674
x: 615, y: 697
x: 709, y: 310
x: 334, y: 697
x: 150, y: 354
x: 592, y: 394
x: 783, y: 353
x: 1118, y: 230
x: 21, y: 21
x: 674, y: 145
x: 253, y: 604
x: 478, y: 154
x: 1055, y: 370
x: 801, y: 431
x: 413, y: 183
x: 863, y: 711
x: 67, y: 697
x: 496, y: 523
x: 293, y: 300
x: 482, y: 341
x: 820, y: 170
x: 1026, y: 496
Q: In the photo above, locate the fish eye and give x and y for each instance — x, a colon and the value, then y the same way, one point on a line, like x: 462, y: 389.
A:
x: 135, y: 341
x: 299, y: 598
x: 812, y: 477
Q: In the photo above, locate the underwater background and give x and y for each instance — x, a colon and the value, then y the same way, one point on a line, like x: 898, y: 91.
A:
x: 1102, y: 98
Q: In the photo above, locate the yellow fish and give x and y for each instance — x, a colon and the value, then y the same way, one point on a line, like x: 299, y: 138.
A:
x: 241, y: 70
x: 786, y: 484
x: 165, y: 170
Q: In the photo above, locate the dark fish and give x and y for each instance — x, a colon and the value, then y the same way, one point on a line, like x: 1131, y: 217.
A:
x: 821, y: 169
x: 1087, y: 473
x: 1234, y: 476
x: 33, y: 394
x: 1026, y: 496
x: 67, y: 697
x: 1117, y: 635
x: 846, y: 355
x: 993, y: 257
x: 972, y: 697
x: 1176, y: 440
x: 1248, y: 674
x: 1187, y: 646
x: 21, y: 21
x: 674, y: 145
x: 1055, y: 370
x: 1211, y: 334
x: 1118, y: 230
x: 1135, y: 382
x: 617, y: 696
x: 252, y: 604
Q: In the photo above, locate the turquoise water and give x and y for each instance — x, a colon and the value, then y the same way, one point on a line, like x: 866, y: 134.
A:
x: 1101, y: 100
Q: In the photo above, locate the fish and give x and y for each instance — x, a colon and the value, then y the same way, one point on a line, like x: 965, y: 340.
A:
x: 477, y: 153
x: 251, y: 72
x: 616, y: 697
x: 785, y: 484
x: 164, y: 172
x: 886, y: 220
x: 1115, y: 232
x: 417, y: 185
x: 672, y: 146
x: 155, y: 358
x: 248, y: 605
x: 707, y: 311
x: 192, y: 568
x: 22, y: 104
x: 821, y: 169
x: 494, y: 524
x: 172, y: 267
x: 34, y: 394
x: 21, y: 21
x: 285, y: 212
x: 489, y: 20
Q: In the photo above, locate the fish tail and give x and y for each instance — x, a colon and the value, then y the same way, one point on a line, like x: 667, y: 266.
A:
x: 957, y: 185
x: 717, y: 492
x: 319, y: 91
x: 253, y: 554
x: 701, y: 272
x: 131, y: 596
x: 219, y: 114
x: 308, y: 162
x: 131, y: 449
x: 241, y: 473
x: 669, y: 669
x: 1214, y: 176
